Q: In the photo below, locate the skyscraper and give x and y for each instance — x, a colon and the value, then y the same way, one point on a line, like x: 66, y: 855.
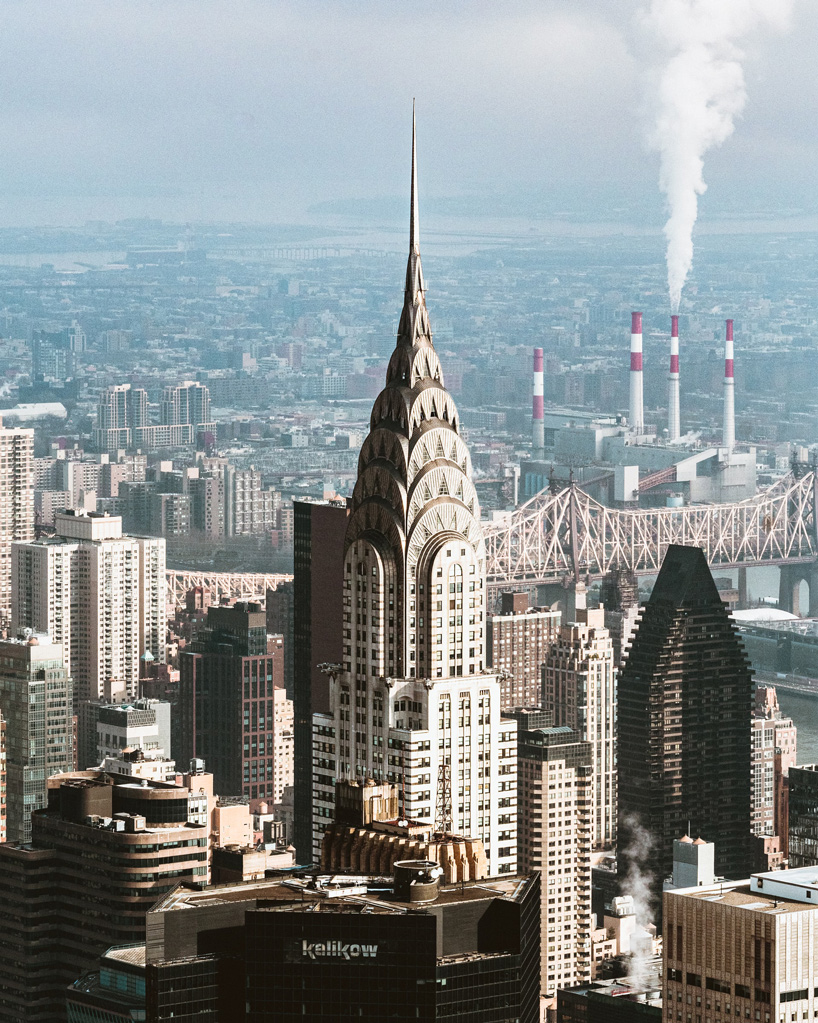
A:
x: 803, y: 816
x: 98, y: 593
x: 16, y: 502
x: 3, y: 805
x: 517, y: 643
x: 579, y: 691
x: 685, y: 696
x: 121, y: 409
x: 412, y: 701
x: 773, y: 747
x: 555, y: 797
x: 36, y: 700
x: 318, y: 559
x: 230, y: 679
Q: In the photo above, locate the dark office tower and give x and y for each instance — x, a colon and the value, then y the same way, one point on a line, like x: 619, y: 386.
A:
x: 803, y: 816
x: 318, y: 543
x: 279, y: 605
x: 296, y: 951
x: 227, y: 695
x: 685, y: 697
x: 619, y: 596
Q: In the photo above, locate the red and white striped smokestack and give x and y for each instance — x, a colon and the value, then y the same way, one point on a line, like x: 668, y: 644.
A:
x: 636, y: 415
x: 537, y: 408
x: 729, y: 431
x: 673, y: 418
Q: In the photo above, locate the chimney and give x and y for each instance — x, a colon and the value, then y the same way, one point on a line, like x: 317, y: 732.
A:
x: 537, y: 414
x: 673, y: 420
x: 636, y: 413
x: 729, y: 431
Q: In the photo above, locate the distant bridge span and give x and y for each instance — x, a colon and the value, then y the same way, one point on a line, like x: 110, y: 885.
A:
x: 556, y: 537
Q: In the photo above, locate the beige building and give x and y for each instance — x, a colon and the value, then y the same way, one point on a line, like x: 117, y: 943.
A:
x: 283, y: 750
x: 743, y: 950
x: 517, y: 644
x: 17, y: 504
x: 555, y: 782
x: 98, y: 593
x: 579, y: 690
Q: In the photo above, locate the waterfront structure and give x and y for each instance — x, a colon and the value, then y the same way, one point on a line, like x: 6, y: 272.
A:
x: 318, y: 582
x: 803, y: 816
x: 684, y: 702
x: 37, y: 702
x: 555, y: 800
x: 349, y: 947
x: 98, y: 593
x: 16, y: 503
x: 412, y: 700
x: 231, y: 700
x: 101, y: 853
x: 742, y: 948
x: 517, y: 643
x: 773, y: 753
x: 579, y: 691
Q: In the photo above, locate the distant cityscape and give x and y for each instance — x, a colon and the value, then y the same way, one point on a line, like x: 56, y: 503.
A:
x: 444, y: 656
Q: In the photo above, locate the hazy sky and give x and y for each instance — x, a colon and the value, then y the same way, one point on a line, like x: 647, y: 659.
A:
x: 257, y: 108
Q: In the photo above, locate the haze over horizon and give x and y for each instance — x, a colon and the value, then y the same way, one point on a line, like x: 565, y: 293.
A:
x: 263, y: 112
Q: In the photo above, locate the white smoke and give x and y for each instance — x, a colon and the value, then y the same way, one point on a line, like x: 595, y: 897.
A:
x: 700, y: 93
x: 638, y: 884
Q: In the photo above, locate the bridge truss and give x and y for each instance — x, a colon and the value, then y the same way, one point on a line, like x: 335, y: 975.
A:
x: 568, y: 535
x: 232, y: 585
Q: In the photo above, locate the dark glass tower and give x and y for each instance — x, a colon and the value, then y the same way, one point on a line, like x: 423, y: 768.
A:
x: 319, y: 529
x: 685, y: 697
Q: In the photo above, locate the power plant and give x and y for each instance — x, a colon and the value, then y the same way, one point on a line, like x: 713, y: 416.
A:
x: 623, y: 462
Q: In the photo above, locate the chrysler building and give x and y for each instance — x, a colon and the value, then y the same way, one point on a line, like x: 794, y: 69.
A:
x: 412, y: 702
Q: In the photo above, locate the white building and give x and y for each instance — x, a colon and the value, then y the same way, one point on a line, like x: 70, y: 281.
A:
x: 16, y: 503
x: 413, y: 702
x: 284, y: 748
x: 579, y: 688
x: 98, y: 593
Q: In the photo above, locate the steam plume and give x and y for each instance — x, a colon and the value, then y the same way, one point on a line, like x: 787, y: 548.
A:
x: 638, y: 885
x: 700, y: 93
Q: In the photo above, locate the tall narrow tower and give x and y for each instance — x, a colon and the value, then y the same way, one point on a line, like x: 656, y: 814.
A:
x: 412, y: 702
x: 673, y: 418
x: 537, y: 407
x: 637, y: 412
x: 729, y: 432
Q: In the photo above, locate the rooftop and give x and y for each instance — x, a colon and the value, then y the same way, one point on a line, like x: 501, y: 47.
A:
x: 339, y: 892
x: 776, y: 891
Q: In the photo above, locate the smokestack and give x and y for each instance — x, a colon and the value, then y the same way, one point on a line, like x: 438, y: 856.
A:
x: 673, y: 421
x: 729, y: 431
x: 537, y: 413
x: 636, y: 414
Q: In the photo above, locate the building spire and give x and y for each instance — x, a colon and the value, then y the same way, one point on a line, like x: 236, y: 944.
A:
x: 414, y: 222
x: 414, y: 321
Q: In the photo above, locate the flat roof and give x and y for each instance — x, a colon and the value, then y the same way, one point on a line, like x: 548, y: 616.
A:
x: 740, y: 894
x: 339, y: 892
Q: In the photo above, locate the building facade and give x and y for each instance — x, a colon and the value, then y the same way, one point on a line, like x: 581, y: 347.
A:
x: 517, y: 643
x: 579, y: 690
x: 16, y: 503
x: 743, y: 949
x: 316, y: 609
x: 774, y: 744
x: 684, y: 703
x: 803, y: 816
x: 98, y: 593
x: 555, y: 800
x: 231, y: 689
x: 348, y: 949
x: 413, y: 700
x: 101, y: 853
x: 36, y: 698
